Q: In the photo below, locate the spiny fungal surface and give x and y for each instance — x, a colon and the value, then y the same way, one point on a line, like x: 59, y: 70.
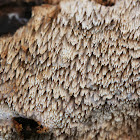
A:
x: 75, y: 67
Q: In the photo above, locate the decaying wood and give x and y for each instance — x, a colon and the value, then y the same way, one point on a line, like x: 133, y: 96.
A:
x: 106, y: 2
x: 75, y: 68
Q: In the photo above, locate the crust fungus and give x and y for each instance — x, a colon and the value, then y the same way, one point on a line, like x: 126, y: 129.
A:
x: 6, y: 125
x: 75, y: 67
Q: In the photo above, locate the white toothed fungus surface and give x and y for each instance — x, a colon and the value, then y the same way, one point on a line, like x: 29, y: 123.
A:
x: 77, y: 69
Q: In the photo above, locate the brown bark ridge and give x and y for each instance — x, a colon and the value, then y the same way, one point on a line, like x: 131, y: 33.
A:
x: 75, y: 68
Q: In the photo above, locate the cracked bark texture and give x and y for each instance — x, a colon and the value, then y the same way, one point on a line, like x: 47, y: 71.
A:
x: 75, y: 67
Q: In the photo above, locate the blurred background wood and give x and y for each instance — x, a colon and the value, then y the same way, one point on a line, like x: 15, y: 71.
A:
x: 13, y: 15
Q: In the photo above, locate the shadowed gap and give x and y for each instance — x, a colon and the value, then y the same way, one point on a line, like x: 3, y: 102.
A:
x: 14, y: 16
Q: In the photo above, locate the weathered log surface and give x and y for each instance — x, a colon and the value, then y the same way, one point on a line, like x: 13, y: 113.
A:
x: 75, y: 67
